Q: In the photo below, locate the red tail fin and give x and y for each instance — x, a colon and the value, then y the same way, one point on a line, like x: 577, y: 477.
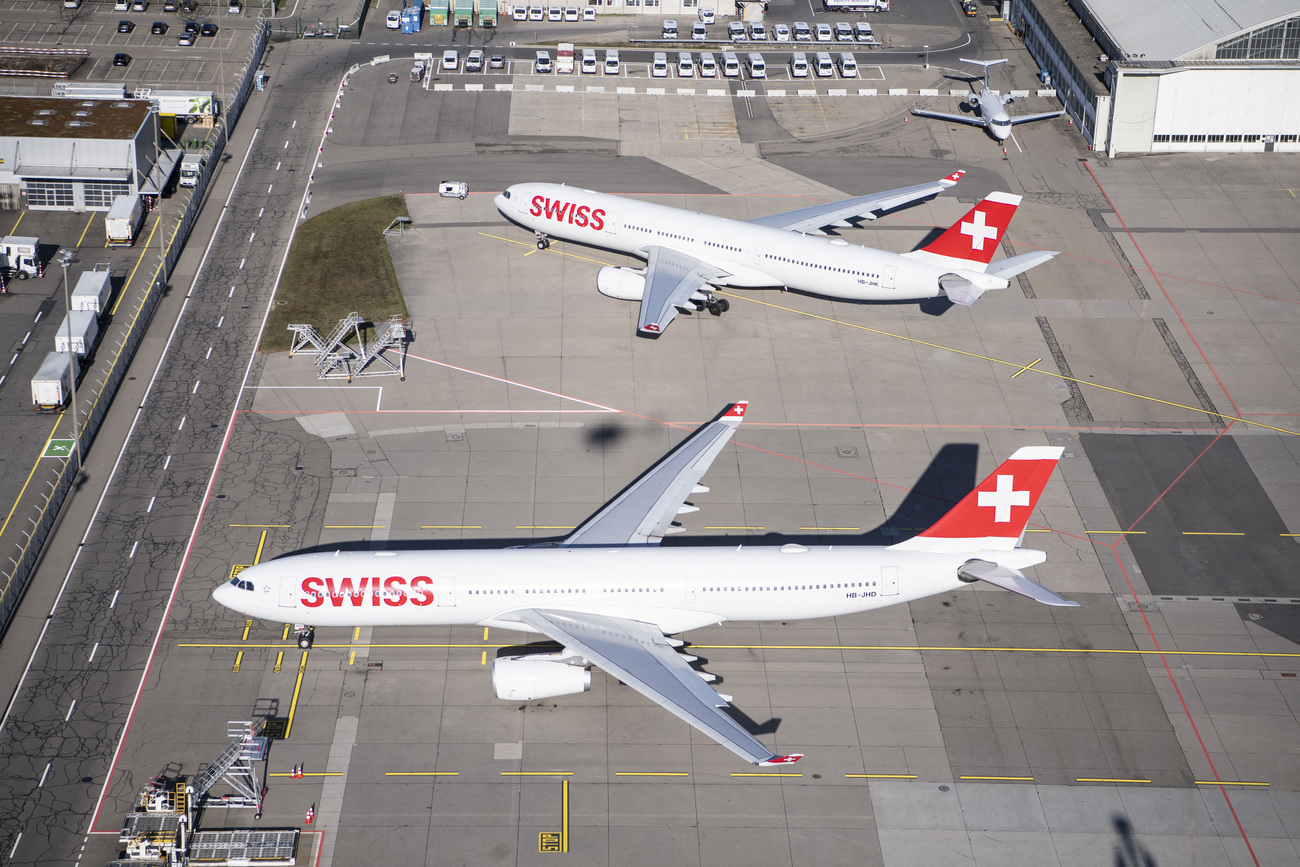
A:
x: 994, y: 514
x: 976, y: 236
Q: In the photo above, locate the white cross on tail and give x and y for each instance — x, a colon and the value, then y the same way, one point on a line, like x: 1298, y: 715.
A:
x: 978, y: 231
x: 1003, y: 499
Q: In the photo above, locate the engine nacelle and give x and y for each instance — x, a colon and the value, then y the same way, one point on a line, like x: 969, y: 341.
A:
x: 974, y: 100
x: 626, y: 284
x: 538, y: 675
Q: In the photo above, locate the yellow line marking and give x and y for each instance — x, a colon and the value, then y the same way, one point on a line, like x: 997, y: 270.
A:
x: 297, y: 687
x: 754, y: 774
x: 1032, y: 530
x: 23, y: 489
x: 992, y: 360
x: 322, y: 774
x: 548, y: 249
x: 890, y: 647
x: 248, y: 624
x: 1118, y: 532
x: 284, y: 636
x: 352, y: 658
x: 1189, y: 533
x: 651, y: 774
x: 485, y: 631
x: 258, y: 526
x: 1026, y: 367
x: 354, y: 526
x: 1226, y: 783
x: 1289, y: 535
x: 239, y: 658
x: 483, y: 661
x: 1106, y: 780
x: 537, y: 773
x: 83, y: 231
x: 542, y: 527
x: 139, y: 260
x: 1027, y: 779
x: 451, y: 527
x: 880, y: 776
x: 279, y: 659
x: 830, y: 528
x: 261, y: 543
x: 356, y: 633
x: 422, y: 773
x: 735, y: 528
x: 564, y: 826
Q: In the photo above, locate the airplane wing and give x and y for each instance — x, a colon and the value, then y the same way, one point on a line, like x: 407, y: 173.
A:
x: 813, y: 220
x: 639, y: 655
x: 642, y: 514
x: 958, y: 118
x: 671, y: 278
x: 1026, y: 118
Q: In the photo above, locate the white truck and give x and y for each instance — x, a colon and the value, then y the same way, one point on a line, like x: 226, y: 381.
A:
x: 564, y: 58
x: 191, y: 167
x: 18, y: 257
x: 122, y: 220
x: 52, y: 383
x: 93, y: 290
x: 77, y: 333
x: 188, y: 105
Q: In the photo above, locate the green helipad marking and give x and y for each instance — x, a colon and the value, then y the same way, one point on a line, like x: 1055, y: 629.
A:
x: 58, y: 449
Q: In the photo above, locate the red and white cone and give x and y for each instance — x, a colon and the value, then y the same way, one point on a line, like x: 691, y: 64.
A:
x: 311, y: 814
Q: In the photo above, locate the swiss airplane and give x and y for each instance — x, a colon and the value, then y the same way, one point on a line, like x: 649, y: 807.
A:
x: 990, y: 107
x: 688, y: 253
x: 611, y: 597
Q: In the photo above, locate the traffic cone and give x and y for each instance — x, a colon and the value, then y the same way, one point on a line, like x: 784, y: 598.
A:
x: 311, y: 814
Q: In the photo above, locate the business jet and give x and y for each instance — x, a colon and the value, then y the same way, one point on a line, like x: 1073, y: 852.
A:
x: 989, y: 107
x: 687, y: 254
x: 611, y: 597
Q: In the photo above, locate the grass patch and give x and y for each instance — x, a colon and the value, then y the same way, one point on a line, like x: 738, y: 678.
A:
x: 339, y: 264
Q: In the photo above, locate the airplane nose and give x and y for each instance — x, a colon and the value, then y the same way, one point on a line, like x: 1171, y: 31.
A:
x: 501, y: 202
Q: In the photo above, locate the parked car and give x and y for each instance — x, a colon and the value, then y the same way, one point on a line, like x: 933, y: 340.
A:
x: 125, y: 26
x: 186, y: 38
x: 843, y: 31
x: 158, y: 28
x: 736, y: 31
x: 685, y: 65
x: 780, y: 33
x: 192, y: 27
x: 699, y: 32
x: 393, y: 21
x: 588, y: 13
x: 707, y: 15
x: 519, y: 13
x: 554, y: 13
x: 543, y: 63
x: 824, y: 33
x: 496, y: 61
x: 571, y: 13
x: 536, y: 13
x: 670, y: 29
x: 208, y: 29
x: 450, y: 60
x: 140, y: 5
x: 474, y: 61
x: 863, y: 31
x: 757, y: 32
x: 801, y: 32
x: 121, y: 59
x: 170, y: 6
x: 235, y: 7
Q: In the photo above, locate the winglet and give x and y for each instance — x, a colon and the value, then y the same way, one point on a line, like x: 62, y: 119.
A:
x: 952, y: 178
x: 781, y: 760
x: 736, y: 411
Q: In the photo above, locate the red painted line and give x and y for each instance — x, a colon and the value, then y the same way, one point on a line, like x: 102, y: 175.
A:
x: 1087, y: 165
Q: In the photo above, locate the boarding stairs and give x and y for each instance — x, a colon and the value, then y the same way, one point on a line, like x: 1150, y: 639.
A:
x: 235, y: 766
x: 335, y: 360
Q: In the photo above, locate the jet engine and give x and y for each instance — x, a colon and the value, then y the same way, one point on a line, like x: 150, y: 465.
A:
x: 974, y: 100
x: 627, y: 284
x: 538, y: 675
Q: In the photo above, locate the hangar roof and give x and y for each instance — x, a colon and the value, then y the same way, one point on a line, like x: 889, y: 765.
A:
x: 64, y: 117
x: 1171, y: 29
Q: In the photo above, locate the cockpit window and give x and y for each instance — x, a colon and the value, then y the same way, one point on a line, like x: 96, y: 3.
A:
x: 506, y: 194
x: 242, y: 585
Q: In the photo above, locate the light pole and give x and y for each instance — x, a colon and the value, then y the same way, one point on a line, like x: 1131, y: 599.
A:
x: 65, y: 258
x: 927, y: 57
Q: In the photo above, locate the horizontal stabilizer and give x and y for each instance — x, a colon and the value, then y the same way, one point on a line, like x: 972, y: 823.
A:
x: 960, y: 290
x: 1007, y: 268
x: 1010, y: 579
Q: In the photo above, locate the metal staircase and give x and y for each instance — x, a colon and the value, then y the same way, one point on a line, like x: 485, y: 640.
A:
x: 336, y: 360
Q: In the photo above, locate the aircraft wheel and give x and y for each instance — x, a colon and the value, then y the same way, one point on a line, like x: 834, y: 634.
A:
x: 543, y: 243
x: 715, y: 307
x: 724, y: 304
x: 305, y: 639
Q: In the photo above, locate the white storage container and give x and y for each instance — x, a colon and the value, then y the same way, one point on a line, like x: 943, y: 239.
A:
x: 52, y: 384
x: 92, y: 292
x: 85, y: 330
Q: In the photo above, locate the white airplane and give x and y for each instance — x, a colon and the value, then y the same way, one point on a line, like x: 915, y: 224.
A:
x: 991, y: 114
x: 611, y: 597
x: 688, y: 253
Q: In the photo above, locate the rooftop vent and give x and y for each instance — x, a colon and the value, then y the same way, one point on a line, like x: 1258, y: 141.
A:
x: 39, y: 122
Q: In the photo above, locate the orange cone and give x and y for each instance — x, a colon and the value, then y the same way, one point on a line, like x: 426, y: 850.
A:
x: 311, y: 814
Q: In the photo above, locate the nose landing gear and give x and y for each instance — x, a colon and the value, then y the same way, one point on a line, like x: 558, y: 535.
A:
x: 304, y: 635
x: 542, y: 241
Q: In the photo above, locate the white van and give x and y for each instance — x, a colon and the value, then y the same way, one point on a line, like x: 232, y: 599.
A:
x: 799, y: 65
x: 659, y: 66
x: 757, y: 68
x: 730, y: 65
x: 543, y: 62
x: 685, y: 65
x: 848, y: 65
x: 589, y: 64
x: 825, y: 68
x: 708, y: 66
x: 707, y: 14
x: 611, y: 62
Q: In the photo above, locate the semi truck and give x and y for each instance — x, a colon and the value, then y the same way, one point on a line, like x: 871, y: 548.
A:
x: 463, y: 15
x: 487, y: 14
x: 188, y: 105
x: 52, y: 383
x: 18, y: 257
x: 122, y: 221
x: 93, y: 290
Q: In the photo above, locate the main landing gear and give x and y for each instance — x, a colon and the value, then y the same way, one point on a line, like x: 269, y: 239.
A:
x: 713, y: 304
x: 542, y: 241
x: 304, y: 635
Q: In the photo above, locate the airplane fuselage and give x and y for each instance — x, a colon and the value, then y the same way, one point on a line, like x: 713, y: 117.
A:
x: 996, y: 119
x: 676, y: 589
x: 754, y: 256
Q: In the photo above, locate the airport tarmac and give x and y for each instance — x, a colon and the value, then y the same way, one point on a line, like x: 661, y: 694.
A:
x: 1157, y: 723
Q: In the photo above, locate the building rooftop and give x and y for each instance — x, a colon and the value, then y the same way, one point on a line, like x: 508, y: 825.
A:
x: 61, y: 117
x: 1173, y: 29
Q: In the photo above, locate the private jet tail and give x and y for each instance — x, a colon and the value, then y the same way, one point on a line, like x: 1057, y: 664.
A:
x: 984, y: 63
x: 992, y: 518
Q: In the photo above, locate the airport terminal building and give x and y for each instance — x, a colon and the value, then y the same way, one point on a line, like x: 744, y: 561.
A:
x: 1196, y: 75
